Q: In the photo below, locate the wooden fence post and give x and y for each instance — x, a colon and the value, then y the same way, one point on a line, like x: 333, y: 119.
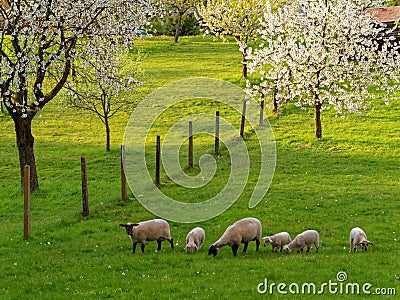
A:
x: 243, y: 118
x: 262, y: 106
x: 190, y: 158
x: 123, y: 177
x: 27, y: 202
x: 158, y: 159
x: 85, y: 200
x: 216, y: 150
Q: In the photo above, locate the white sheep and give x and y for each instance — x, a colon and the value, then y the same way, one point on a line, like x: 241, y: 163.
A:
x: 277, y: 240
x: 195, y: 239
x: 358, y: 238
x: 305, y: 238
x: 242, y: 231
x: 152, y: 230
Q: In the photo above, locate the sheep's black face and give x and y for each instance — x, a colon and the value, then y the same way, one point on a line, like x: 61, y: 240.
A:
x: 365, y: 244
x: 129, y: 228
x: 213, y: 250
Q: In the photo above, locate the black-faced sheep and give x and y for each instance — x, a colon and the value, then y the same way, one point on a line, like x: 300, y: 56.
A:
x: 195, y: 239
x: 152, y: 230
x: 242, y: 231
x: 305, y: 238
x: 358, y: 238
x: 277, y: 241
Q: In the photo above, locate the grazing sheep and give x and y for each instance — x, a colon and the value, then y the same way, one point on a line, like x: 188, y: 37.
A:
x: 242, y: 231
x: 305, y: 238
x: 357, y: 238
x: 195, y: 239
x: 152, y: 230
x: 277, y: 241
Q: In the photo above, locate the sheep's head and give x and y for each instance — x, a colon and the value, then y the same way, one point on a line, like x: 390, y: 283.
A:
x: 287, y: 249
x: 364, y: 245
x: 213, y: 250
x: 267, y: 240
x: 191, y: 247
x: 129, y: 228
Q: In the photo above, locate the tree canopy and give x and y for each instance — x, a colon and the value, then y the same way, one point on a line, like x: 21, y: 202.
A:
x: 325, y: 53
x: 39, y: 42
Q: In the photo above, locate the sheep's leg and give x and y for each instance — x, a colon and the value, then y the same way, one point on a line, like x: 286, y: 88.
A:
x: 235, y: 248
x: 246, y: 244
x: 134, y: 247
x: 281, y: 248
x: 159, y: 244
x: 171, y: 241
x: 316, y: 248
x: 257, y: 244
x: 142, y: 247
x: 308, y: 248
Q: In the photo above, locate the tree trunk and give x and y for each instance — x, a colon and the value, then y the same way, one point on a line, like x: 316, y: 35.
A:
x: 178, y: 29
x: 317, y: 119
x: 107, y: 134
x: 25, y: 141
x: 244, y: 63
x: 274, y: 96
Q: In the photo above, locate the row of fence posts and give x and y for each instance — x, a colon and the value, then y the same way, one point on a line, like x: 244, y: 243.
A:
x: 85, y: 198
x: 216, y: 143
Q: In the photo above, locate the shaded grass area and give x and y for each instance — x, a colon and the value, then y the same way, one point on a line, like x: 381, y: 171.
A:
x: 349, y: 178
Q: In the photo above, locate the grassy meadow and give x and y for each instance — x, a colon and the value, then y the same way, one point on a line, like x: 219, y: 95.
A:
x: 348, y: 178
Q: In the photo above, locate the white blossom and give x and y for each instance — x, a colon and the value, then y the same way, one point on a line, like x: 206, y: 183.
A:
x: 326, y: 53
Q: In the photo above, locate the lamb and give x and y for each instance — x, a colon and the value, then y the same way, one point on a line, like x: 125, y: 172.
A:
x: 305, y: 238
x: 151, y: 230
x: 357, y: 238
x: 195, y: 239
x: 242, y: 231
x: 277, y: 240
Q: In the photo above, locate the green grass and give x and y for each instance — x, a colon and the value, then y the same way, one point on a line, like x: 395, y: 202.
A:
x: 349, y: 178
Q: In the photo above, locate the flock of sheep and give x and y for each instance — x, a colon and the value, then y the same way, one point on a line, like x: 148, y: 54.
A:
x: 240, y: 232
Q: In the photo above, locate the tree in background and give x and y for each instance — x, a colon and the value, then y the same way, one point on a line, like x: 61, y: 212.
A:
x: 325, y: 53
x: 178, y: 9
x: 236, y: 18
x: 393, y: 2
x: 39, y: 40
x: 98, y: 86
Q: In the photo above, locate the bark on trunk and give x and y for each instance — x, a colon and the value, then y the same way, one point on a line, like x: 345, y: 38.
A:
x: 317, y: 119
x: 25, y: 141
x: 107, y: 135
x: 274, y: 96
x: 244, y: 63
x: 178, y: 29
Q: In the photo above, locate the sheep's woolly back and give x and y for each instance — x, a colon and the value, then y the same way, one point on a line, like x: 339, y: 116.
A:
x: 151, y: 230
x: 195, y: 238
x: 278, y: 239
x: 307, y: 237
x: 357, y: 238
x: 357, y: 235
x: 242, y: 231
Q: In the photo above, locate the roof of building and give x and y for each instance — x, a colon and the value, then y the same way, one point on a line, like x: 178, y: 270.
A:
x: 386, y: 14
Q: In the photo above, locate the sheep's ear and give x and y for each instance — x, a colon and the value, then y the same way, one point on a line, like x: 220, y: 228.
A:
x: 136, y: 224
x: 123, y: 225
x: 369, y: 243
